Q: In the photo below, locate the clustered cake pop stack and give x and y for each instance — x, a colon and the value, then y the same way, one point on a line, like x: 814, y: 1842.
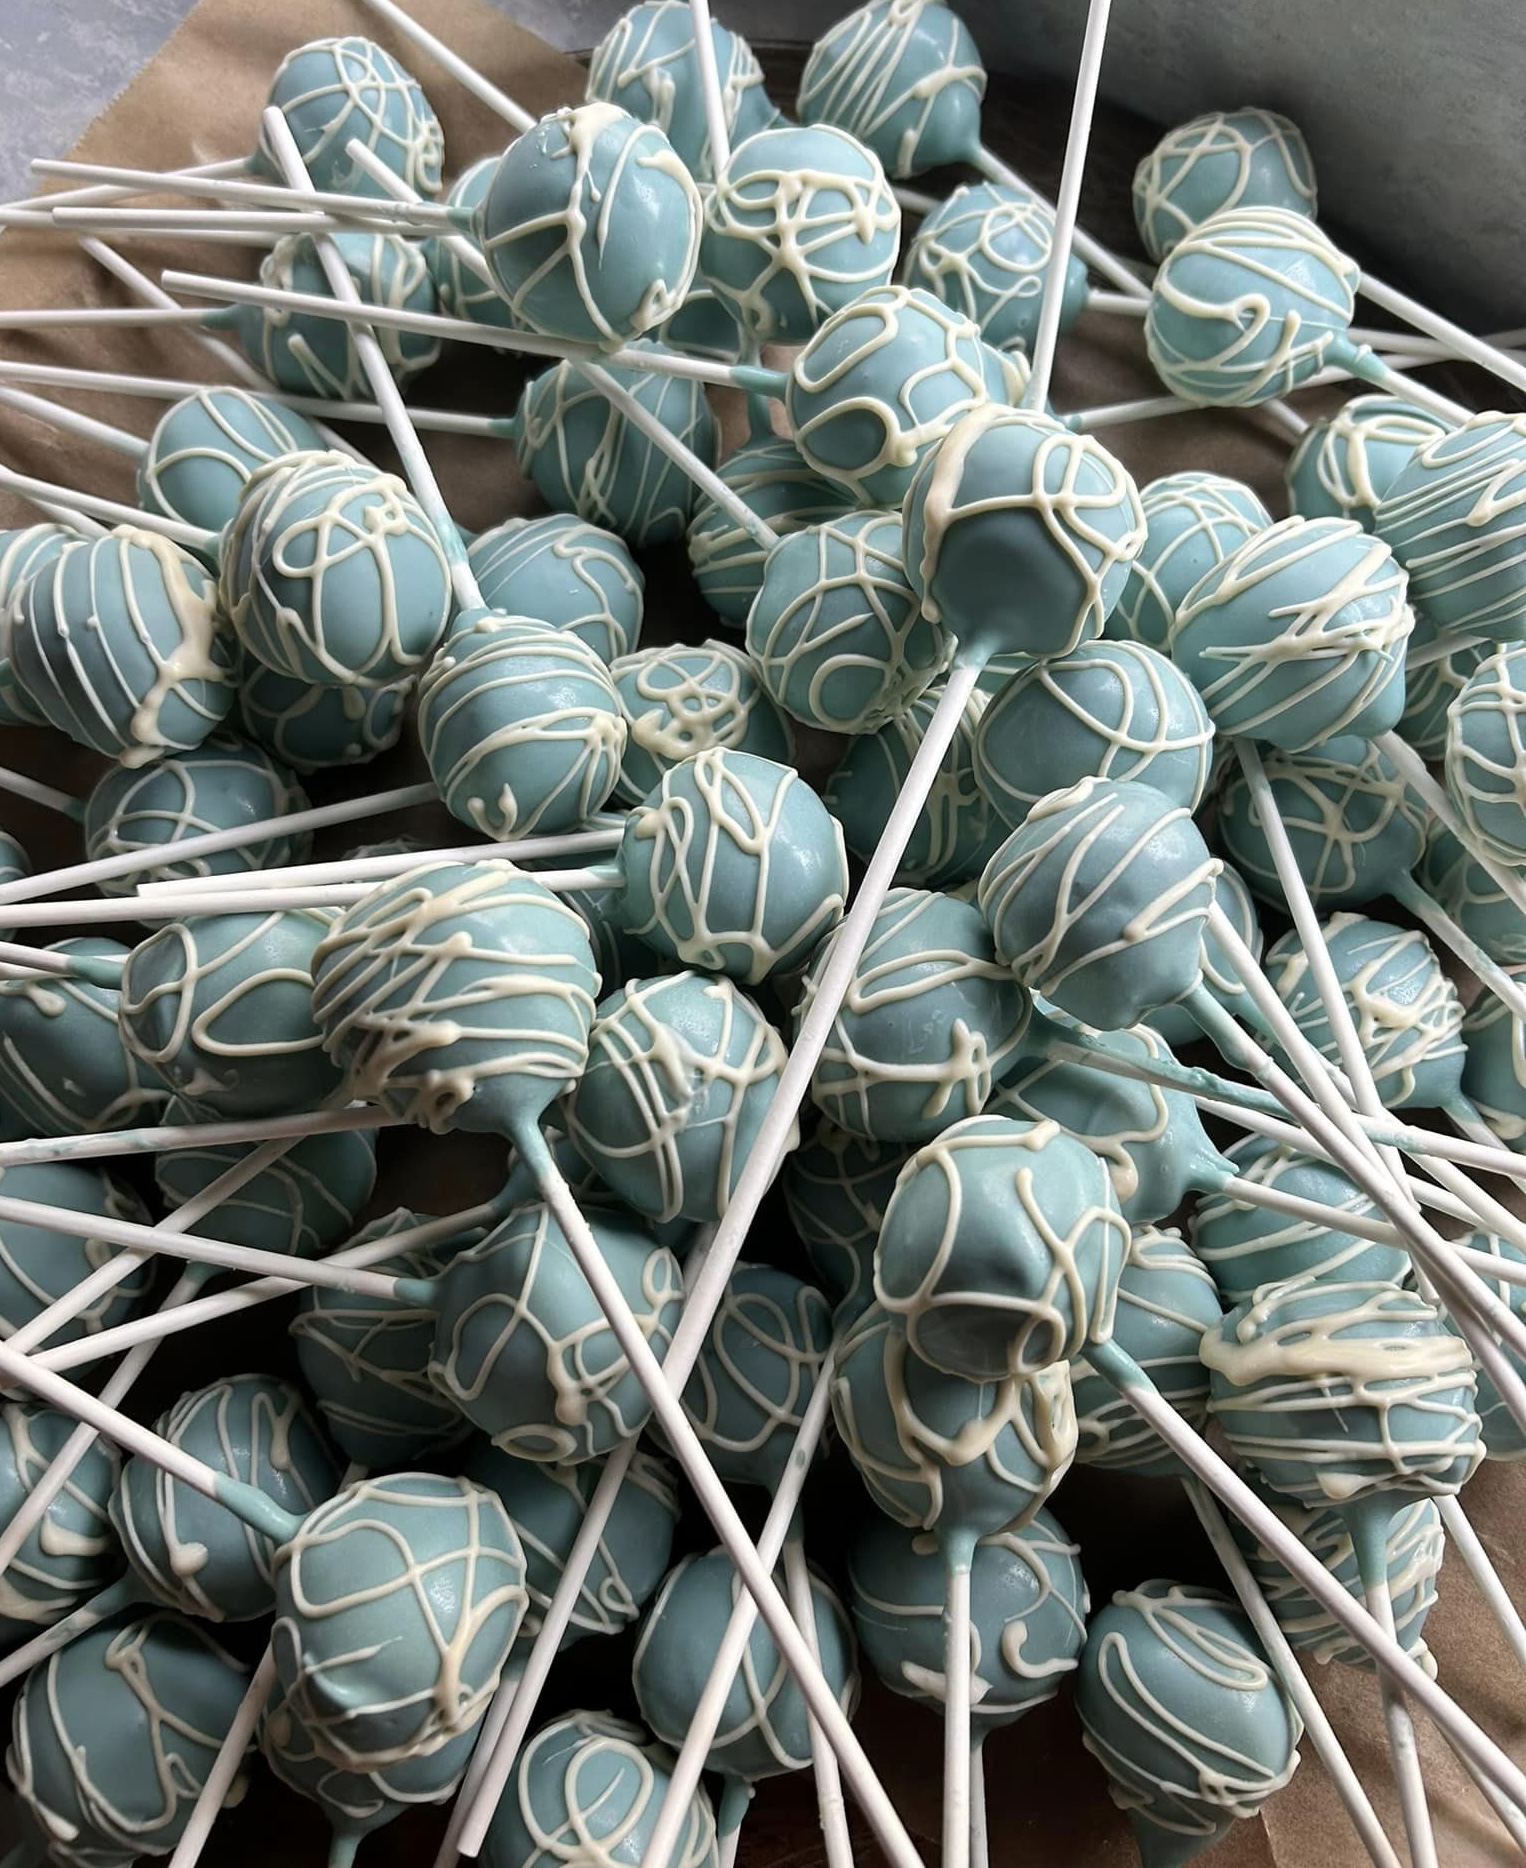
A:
x: 646, y: 959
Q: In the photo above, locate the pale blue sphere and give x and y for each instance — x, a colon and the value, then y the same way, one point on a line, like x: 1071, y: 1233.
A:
x: 1344, y: 464
x: 333, y: 92
x: 1486, y: 757
x: 73, y: 1551
x: 772, y: 479
x: 462, y: 291
x: 1224, y: 159
x: 313, y: 729
x: 23, y: 551
x: 836, y: 1187
x: 204, y: 448
x: 563, y: 571
x: 687, y: 698
x: 1193, y: 521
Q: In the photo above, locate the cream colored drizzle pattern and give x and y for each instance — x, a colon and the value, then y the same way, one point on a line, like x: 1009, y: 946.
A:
x: 1314, y: 792
x: 681, y: 699
x: 52, y: 1095
x: 1210, y: 138
x: 1279, y: 1233
x: 86, y: 1538
x: 1218, y: 519
x: 1486, y: 753
x: 1486, y: 1012
x: 794, y: 1338
x: 143, y: 816
x: 1338, y: 447
x: 395, y: 273
x: 606, y: 1602
x: 366, y: 87
x: 724, y: 556
x: 1005, y: 263
x: 44, y: 1275
x: 261, y: 436
x: 594, y: 559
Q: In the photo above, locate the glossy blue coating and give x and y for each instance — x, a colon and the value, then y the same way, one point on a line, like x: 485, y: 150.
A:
x: 461, y: 291
x: 204, y: 448
x: 220, y: 1007
x: 38, y: 1264
x: 1193, y: 521
x: 836, y: 1187
x: 332, y: 574
x: 1504, y: 1437
x: 1098, y: 901
x: 1494, y: 1069
x: 770, y: 477
x: 336, y: 91
x: 1345, y: 463
x: 313, y: 728
x: 22, y: 551
x: 303, y: 1202
x: 685, y: 698
x: 1431, y: 687
x: 1472, y: 897
x: 1223, y: 159
x: 74, y: 1551
x: 15, y: 864
x: 733, y: 864
x: 930, y: 1022
x: 563, y: 571
x: 523, y: 1349
x: 1485, y: 755
x: 1175, y: 1023
x: 702, y: 326
x: 119, y: 644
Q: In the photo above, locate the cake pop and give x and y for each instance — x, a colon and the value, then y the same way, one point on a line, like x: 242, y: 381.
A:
x: 313, y: 728
x: 1484, y: 754
x: 1431, y: 683
x: 565, y: 572
x: 1224, y: 159
x: 336, y: 91
x: 1345, y: 463
x: 1193, y: 521
x: 23, y: 552
x: 204, y: 448
x: 703, y: 325
x: 73, y: 1553
x: 929, y: 1024
x: 1494, y: 1067
x: 15, y: 864
x: 303, y: 1202
x: 836, y: 1187
x: 1472, y: 897
x: 462, y: 291
x: 1175, y: 1023
x: 1503, y: 1434
x: 682, y: 699
x: 39, y: 1264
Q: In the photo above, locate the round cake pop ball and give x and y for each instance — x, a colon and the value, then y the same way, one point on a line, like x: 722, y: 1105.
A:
x: 312, y: 728
x: 771, y: 478
x: 565, y: 572
x: 1175, y: 1023
x: 1028, y: 1607
x: 647, y: 64
x: 905, y: 78
x: 303, y: 1202
x: 1166, y: 1300
x: 1494, y: 1068
x: 1098, y: 901
x: 39, y: 1265
x: 1245, y: 1247
x: 589, y: 1788
x: 548, y: 1504
x: 224, y: 784
x: 1430, y: 690
x: 1354, y: 825
x: 1408, y: 1016
x: 63, y: 1067
x: 836, y: 633
x: 521, y: 726
x: 1335, y: 1392
x: 73, y: 1552
x: 462, y: 292
x: 837, y: 1187
x: 756, y: 1372
x: 1454, y: 517
x: 703, y: 325
x: 1485, y: 755
x: 1193, y: 521
x: 311, y: 355
x: 939, y: 1453
x: 1183, y: 1710
x: 203, y: 450
x: 681, y: 1072
x: 114, y: 1736
x: 1107, y: 710
x: 22, y: 553
x: 524, y: 1350
x: 590, y: 226
x: 1225, y: 159
x: 194, y: 1554
x: 1298, y: 636
x: 118, y: 643
x: 336, y: 91
x: 586, y: 458
x: 366, y: 1359
x: 1013, y: 501
x: 930, y: 1021
x: 1247, y: 306
x: 1345, y: 464
x: 1504, y: 1437
x: 1472, y: 897
x: 735, y: 865
x: 1150, y: 1138
x: 397, y: 1602
x: 459, y: 995
x: 1000, y: 1249
x: 799, y: 222
x: 332, y: 575
x: 220, y: 1007
x: 687, y: 698
x: 882, y: 382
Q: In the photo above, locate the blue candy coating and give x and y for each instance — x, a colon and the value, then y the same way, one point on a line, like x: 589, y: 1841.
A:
x: 15, y: 864
x: 462, y: 291
x: 563, y: 571
x: 1344, y: 464
x: 1224, y: 159
x: 702, y: 326
x: 73, y: 1551
x: 1430, y: 689
x: 314, y: 728
x: 837, y: 1187
x: 336, y: 91
x: 38, y: 1264
x: 1494, y: 1069
x: 1504, y: 1437
x: 22, y: 552
x: 772, y: 479
x: 1175, y: 1023
x: 1472, y: 897
x: 1486, y: 756
x: 685, y: 698
x: 204, y: 448
x: 1193, y: 521
x: 302, y: 1202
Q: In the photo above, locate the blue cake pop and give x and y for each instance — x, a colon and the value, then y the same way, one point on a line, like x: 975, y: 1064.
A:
x: 1224, y: 159
x: 835, y: 630
x: 1345, y: 464
x: 548, y: 1504
x: 771, y: 478
x: 930, y: 1022
x: 1485, y: 756
x: 1175, y: 1023
x: 587, y: 458
x: 114, y: 1736
x: 647, y: 64
x: 23, y: 552
x: 565, y: 572
x: 204, y: 448
x: 703, y: 325
x: 459, y: 995
x: 836, y: 1187
x: 1193, y: 521
x: 1184, y: 1712
x: 332, y: 574
x: 1107, y: 710
x: 220, y: 1007
x: 1166, y: 1300
x: 15, y: 864
x: 1430, y: 688
x: 758, y: 1366
x: 336, y: 91
x: 1246, y: 1246
x: 523, y: 1349
x: 985, y: 250
x: 1014, y: 501
x: 39, y: 1265
x: 224, y: 784
x: 681, y: 1072
x: 1454, y: 517
x: 686, y: 698
x: 799, y: 222
x: 733, y: 864
x: 1000, y: 1248
x: 1504, y: 1437
x: 590, y: 226
x: 521, y: 726
x: 1494, y: 1068
x: 303, y: 1202
x: 73, y: 1553
x: 587, y: 1788
x: 1407, y: 1013
x: 1098, y: 901
x: 313, y: 728
x: 1472, y: 897
x: 118, y: 643
x: 461, y: 290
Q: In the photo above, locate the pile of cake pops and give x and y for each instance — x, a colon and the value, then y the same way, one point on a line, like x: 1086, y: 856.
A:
x: 830, y: 1127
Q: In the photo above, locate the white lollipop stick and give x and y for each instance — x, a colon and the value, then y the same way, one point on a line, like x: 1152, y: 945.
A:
x: 269, y: 195
x: 72, y: 421
x: 193, y: 537
x: 956, y: 1715
x: 33, y: 960
x: 166, y: 1137
x: 710, y: 84
x: 227, y: 1764
x: 48, y: 796
x: 242, y: 226
x: 1469, y: 1546
x: 980, y: 1841
x: 43, y: 204
x: 1412, y: 769
x: 1428, y: 349
x: 1462, y: 343
x: 488, y: 93
x: 829, y: 1799
x: 1488, y: 972
x: 1402, y: 1749
x: 1098, y: 257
